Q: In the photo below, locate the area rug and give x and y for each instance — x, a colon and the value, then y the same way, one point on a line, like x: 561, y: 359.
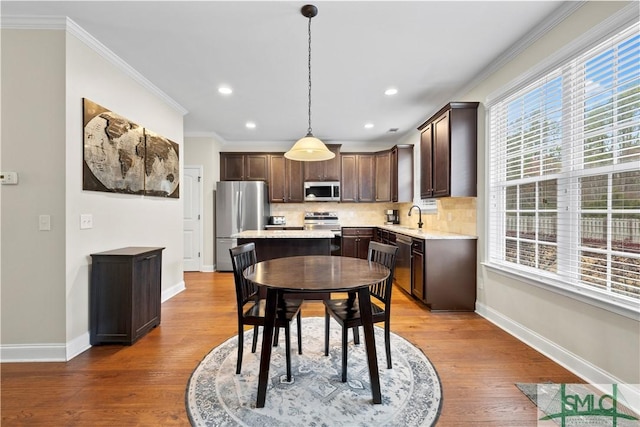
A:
x: 411, y: 390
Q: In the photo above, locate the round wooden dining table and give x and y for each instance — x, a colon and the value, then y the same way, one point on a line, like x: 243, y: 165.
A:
x: 316, y: 274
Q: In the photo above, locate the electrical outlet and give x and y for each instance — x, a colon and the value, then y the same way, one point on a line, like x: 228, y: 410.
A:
x: 86, y: 221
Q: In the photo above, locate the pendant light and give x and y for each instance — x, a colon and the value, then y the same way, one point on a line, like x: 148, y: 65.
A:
x: 309, y: 148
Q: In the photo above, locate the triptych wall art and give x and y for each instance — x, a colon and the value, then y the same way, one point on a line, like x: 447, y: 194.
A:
x: 123, y: 157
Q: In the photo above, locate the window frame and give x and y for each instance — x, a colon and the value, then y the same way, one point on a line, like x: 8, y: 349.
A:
x: 566, y: 207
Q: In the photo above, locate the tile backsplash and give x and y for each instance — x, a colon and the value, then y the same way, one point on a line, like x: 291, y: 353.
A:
x: 453, y: 215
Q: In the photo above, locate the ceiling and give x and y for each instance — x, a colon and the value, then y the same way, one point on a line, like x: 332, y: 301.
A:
x: 428, y: 50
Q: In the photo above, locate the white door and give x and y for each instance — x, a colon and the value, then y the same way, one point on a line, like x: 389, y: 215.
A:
x: 192, y: 191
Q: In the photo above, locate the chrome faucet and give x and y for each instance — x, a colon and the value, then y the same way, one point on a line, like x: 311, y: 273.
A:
x: 419, y: 213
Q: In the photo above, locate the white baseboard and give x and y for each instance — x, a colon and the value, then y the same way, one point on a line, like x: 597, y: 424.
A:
x: 208, y: 268
x: 33, y: 353
x: 572, y: 362
x: 62, y: 352
x: 173, y: 291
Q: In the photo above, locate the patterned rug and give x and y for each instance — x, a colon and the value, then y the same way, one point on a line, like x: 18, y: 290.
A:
x: 411, y: 391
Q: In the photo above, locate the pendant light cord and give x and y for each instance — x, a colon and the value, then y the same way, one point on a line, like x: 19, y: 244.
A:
x: 309, y: 67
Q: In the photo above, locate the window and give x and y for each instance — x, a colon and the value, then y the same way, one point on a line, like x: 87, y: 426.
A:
x: 564, y: 174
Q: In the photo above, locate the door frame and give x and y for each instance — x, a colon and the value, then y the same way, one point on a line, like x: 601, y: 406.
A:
x: 200, y: 193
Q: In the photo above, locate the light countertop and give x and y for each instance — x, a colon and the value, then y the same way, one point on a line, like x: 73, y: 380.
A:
x: 424, y: 233
x: 284, y: 234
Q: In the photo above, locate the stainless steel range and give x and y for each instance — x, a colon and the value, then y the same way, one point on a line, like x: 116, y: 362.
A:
x: 325, y: 221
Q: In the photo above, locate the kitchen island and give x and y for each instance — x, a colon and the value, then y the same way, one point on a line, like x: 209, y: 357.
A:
x: 272, y: 244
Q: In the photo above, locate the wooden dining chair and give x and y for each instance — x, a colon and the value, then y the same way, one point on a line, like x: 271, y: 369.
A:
x: 347, y: 311
x: 251, y: 308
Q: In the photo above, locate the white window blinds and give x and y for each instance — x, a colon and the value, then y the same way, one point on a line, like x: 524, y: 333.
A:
x: 564, y: 173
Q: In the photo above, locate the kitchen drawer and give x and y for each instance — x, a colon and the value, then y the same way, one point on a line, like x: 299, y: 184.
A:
x: 417, y: 245
x: 357, y: 231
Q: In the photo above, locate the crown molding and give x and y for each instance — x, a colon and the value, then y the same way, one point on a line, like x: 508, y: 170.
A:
x: 68, y: 25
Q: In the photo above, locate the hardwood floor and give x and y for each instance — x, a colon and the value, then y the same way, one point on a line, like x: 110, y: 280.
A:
x: 145, y: 384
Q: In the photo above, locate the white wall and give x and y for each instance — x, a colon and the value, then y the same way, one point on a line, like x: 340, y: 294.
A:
x: 33, y: 300
x: 45, y: 275
x: 599, y: 345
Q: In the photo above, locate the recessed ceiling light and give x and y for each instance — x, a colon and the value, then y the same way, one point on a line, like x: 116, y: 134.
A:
x: 225, y: 90
x: 368, y: 125
x: 250, y: 125
x: 390, y: 91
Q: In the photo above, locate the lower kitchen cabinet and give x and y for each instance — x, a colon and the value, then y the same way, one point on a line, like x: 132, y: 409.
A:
x: 417, y: 268
x: 443, y: 275
x: 125, y: 294
x: 355, y: 241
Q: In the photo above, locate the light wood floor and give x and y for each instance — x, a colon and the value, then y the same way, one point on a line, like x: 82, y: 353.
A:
x: 144, y: 384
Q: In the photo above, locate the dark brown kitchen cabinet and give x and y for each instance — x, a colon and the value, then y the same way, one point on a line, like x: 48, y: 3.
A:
x: 417, y: 268
x: 448, y: 145
x: 383, y: 176
x: 355, y: 241
x: 326, y: 170
x: 285, y: 180
x: 125, y: 294
x: 358, y: 177
x: 443, y: 273
x: 244, y: 167
x: 394, y: 174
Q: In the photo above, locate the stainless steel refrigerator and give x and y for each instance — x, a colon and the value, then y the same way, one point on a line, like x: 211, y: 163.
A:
x: 240, y: 206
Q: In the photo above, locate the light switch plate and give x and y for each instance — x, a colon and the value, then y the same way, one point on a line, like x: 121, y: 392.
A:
x: 8, y: 178
x: 44, y: 222
x: 86, y: 221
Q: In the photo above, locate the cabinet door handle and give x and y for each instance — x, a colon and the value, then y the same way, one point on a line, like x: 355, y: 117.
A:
x: 151, y: 256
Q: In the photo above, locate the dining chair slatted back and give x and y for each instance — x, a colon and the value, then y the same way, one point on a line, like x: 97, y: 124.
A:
x: 242, y: 257
x: 385, y: 255
x: 251, y: 306
x: 347, y: 311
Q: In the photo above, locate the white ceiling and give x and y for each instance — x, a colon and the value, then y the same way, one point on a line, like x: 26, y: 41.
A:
x: 428, y: 50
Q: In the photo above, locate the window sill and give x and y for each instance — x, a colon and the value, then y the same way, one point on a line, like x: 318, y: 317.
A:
x: 607, y: 302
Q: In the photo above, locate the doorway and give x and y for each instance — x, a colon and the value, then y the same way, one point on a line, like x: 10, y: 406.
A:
x: 192, y: 190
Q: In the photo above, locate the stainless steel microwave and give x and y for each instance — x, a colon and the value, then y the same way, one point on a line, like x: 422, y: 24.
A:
x: 326, y: 191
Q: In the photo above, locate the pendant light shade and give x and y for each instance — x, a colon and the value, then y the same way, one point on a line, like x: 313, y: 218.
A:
x: 309, y: 148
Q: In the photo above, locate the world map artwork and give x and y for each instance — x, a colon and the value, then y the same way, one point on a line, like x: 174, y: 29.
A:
x: 123, y: 157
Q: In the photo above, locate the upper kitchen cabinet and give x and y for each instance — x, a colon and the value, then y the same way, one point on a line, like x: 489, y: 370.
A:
x: 326, y: 170
x: 394, y: 174
x: 358, y: 177
x: 285, y: 180
x: 244, y: 167
x: 448, y: 146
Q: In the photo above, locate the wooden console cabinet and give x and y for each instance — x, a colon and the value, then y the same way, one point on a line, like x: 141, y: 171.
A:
x: 125, y: 294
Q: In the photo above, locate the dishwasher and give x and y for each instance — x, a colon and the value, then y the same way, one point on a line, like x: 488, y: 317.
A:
x: 403, y: 263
